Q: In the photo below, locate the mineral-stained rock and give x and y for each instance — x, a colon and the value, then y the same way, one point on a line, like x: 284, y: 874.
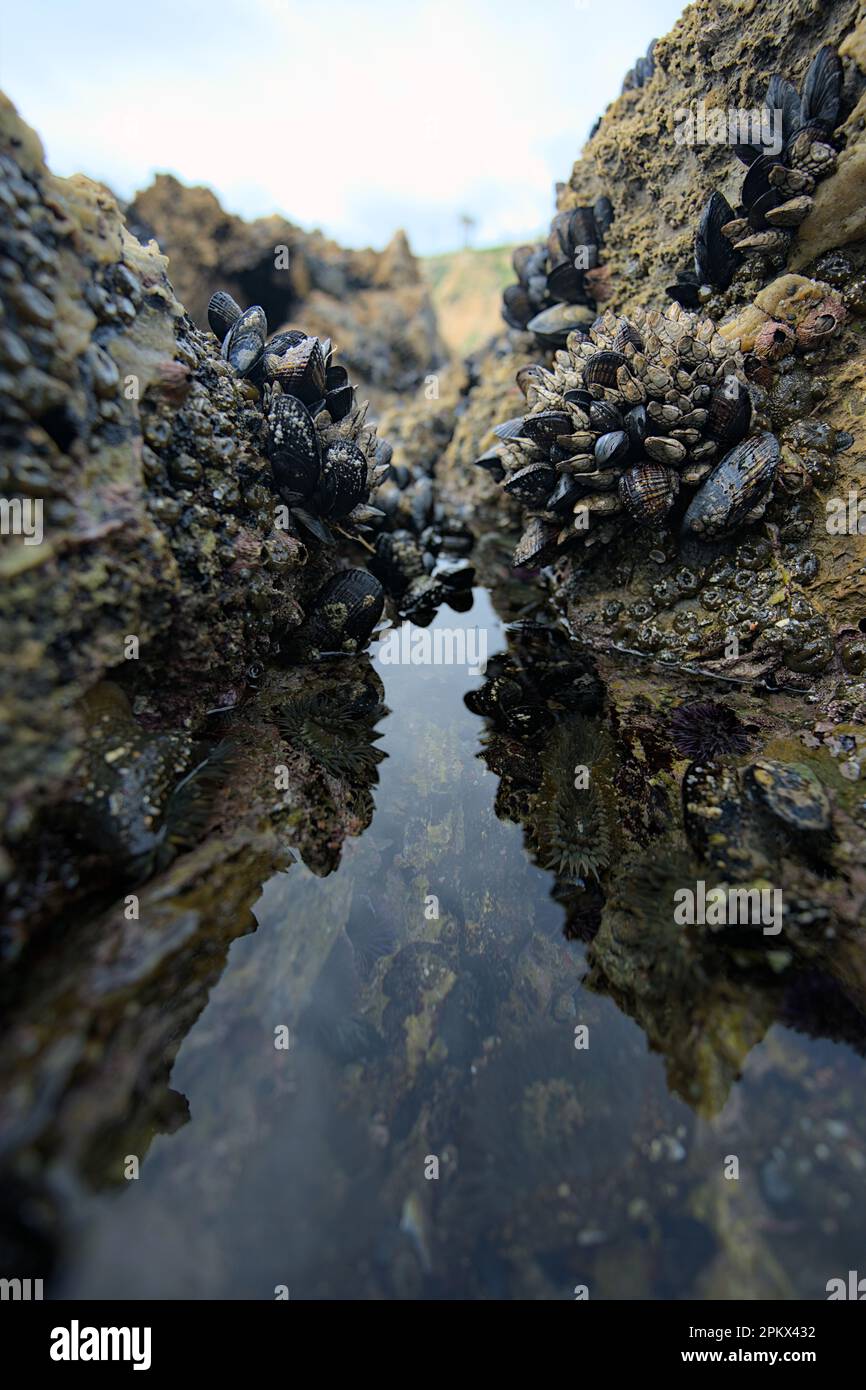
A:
x: 374, y: 305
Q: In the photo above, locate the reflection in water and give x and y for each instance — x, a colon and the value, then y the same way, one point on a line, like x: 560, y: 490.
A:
x: 432, y: 975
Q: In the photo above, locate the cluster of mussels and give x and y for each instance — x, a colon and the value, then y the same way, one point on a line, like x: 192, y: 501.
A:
x: 777, y: 190
x: 628, y: 415
x: 325, y: 463
x: 324, y: 459
x: 558, y: 284
x: 640, y: 74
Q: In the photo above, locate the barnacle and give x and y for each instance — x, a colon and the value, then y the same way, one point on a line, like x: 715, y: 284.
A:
x: 628, y: 415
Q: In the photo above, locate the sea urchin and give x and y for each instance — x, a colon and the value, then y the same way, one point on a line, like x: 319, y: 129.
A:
x: 704, y: 730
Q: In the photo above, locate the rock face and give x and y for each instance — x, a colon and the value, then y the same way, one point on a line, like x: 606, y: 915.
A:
x: 790, y: 588
x: 374, y: 305
x: 140, y: 526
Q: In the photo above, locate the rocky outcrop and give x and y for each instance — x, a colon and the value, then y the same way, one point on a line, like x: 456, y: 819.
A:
x: 141, y: 538
x: 800, y: 616
x: 374, y: 305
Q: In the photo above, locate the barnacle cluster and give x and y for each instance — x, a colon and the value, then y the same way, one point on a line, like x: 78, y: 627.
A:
x: 628, y: 415
x: 558, y: 283
x: 776, y: 194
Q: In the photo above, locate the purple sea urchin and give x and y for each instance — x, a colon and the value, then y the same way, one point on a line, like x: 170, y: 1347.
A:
x: 704, y: 730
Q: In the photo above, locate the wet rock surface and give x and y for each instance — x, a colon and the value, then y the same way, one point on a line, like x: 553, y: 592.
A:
x: 174, y: 797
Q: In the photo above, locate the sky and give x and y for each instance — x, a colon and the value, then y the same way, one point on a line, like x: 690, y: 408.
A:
x: 353, y: 117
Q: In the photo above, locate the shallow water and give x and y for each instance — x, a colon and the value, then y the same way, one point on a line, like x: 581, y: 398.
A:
x: 439, y: 1038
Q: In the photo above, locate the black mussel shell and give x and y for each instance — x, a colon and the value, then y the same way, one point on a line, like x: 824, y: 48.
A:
x: 729, y: 412
x: 648, y: 492
x: 761, y: 206
x: 345, y: 612
x: 611, y: 448
x: 545, y: 428
x: 737, y: 484
x: 604, y: 416
x: 757, y: 181
x: 565, y: 494
x: 748, y: 153
x: 300, y: 370
x: 336, y: 377
x: 626, y: 334
x: 510, y: 429
x: 492, y: 462
x: 715, y: 258
x: 244, y: 345
x: 398, y: 561
x: 339, y: 401
x: 580, y: 397
x: 685, y: 291
x: 343, y: 483
x: 521, y: 260
x: 792, y: 793
x: 293, y: 447
x: 783, y: 96
x: 527, y: 721
x: 531, y: 485
x: 223, y: 313
x: 527, y: 376
x: 553, y: 325
x: 281, y: 342
x: 517, y: 307
x: 602, y: 211
x: 495, y: 697
x: 579, y: 230
x: 822, y: 89
x: 636, y: 427
x: 537, y: 544
x: 601, y: 369
x: 566, y: 283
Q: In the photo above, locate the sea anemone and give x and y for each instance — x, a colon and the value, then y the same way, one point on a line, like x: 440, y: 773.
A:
x: 571, y: 827
x: 331, y: 734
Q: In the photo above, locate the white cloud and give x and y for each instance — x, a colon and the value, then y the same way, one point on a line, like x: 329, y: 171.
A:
x: 338, y: 115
